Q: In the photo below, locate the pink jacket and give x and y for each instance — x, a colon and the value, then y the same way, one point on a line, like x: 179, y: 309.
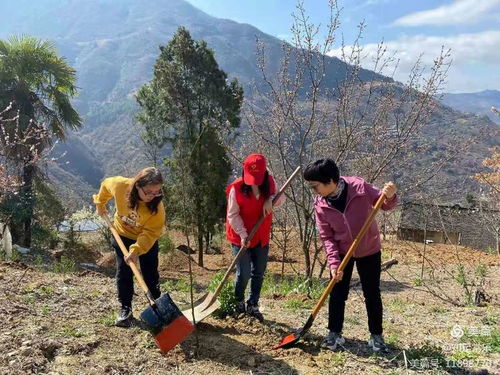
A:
x: 337, y: 230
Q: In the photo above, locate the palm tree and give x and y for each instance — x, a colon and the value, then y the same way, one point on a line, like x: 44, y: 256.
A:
x: 39, y: 84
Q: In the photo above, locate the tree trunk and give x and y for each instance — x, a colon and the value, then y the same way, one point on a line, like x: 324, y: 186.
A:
x: 27, y: 190
x: 200, y: 248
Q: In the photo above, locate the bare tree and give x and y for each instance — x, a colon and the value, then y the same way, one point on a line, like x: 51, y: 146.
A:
x: 368, y: 123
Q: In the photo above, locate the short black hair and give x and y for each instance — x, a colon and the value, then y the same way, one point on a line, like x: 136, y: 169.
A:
x: 322, y: 170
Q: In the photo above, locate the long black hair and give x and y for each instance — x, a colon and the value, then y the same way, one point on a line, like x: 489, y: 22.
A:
x: 264, y: 188
x: 146, y: 176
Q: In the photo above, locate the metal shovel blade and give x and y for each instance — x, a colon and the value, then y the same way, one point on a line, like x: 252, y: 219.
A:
x: 205, y: 306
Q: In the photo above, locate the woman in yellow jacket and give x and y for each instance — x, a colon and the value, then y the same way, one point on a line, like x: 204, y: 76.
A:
x: 140, y: 221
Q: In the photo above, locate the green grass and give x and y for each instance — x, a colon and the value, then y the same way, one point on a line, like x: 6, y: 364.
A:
x: 398, y: 305
x: 296, y: 304
x: 70, y: 332
x: 488, y: 339
x: 461, y: 355
x: 65, y: 265
x: 274, y: 285
x: 180, y: 285
x: 226, y: 296
x: 108, y: 320
x: 45, y: 310
x: 337, y: 359
x: 437, y: 309
x: 426, y: 351
x: 392, y: 340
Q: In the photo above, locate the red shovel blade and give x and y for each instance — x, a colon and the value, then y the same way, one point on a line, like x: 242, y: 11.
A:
x: 287, y: 341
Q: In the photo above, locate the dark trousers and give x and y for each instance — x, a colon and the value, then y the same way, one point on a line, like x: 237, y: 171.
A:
x: 251, y: 266
x: 124, y: 275
x: 369, y: 273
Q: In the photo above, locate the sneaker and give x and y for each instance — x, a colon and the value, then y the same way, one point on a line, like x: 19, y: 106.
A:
x: 377, y: 344
x: 333, y: 341
x: 125, y: 317
x: 253, y: 310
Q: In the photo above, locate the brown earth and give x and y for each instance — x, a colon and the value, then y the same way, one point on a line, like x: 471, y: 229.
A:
x: 62, y: 323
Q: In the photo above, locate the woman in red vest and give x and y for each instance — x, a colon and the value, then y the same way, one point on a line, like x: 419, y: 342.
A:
x: 249, y: 197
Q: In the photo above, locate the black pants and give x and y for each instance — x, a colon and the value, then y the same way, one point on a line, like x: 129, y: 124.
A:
x: 124, y: 275
x: 369, y: 273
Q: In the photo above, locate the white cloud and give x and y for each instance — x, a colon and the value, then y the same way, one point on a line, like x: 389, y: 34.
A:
x: 476, y: 58
x: 459, y: 12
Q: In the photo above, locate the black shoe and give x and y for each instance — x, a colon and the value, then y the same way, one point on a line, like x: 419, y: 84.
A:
x: 253, y: 310
x: 239, y: 310
x: 125, y: 317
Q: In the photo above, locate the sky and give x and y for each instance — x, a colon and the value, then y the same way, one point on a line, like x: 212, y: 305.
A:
x: 409, y: 29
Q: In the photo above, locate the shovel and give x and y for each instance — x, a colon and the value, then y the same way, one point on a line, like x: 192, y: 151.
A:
x: 207, y: 304
x: 293, y: 338
x: 163, y: 317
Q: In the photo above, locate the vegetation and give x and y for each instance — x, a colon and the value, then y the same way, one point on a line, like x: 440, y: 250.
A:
x: 190, y: 105
x: 36, y: 86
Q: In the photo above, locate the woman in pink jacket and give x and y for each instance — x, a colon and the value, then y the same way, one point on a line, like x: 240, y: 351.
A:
x: 341, y: 208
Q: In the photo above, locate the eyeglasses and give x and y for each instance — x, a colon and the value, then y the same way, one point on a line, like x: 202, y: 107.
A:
x: 151, y: 194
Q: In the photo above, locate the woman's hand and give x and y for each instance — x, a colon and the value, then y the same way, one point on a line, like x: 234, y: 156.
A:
x: 268, y: 207
x: 389, y: 190
x: 101, y: 210
x: 336, y: 274
x: 244, y: 242
x: 131, y: 257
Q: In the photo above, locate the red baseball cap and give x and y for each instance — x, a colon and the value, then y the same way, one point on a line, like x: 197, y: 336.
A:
x: 254, y: 168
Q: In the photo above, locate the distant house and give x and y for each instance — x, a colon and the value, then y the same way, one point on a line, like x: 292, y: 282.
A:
x: 451, y: 224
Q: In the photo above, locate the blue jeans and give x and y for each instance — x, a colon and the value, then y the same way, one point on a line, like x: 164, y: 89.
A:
x: 251, y: 266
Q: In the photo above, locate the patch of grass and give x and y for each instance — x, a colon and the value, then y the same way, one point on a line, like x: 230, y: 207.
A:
x: 166, y: 244
x: 65, y: 265
x: 148, y: 343
x: 295, y: 304
x: 392, y: 340
x: 482, y: 271
x: 337, y: 359
x: 30, y: 299
x: 398, y: 305
x: 180, y: 285
x: 418, y: 281
x: 16, y: 255
x: 45, y: 310
x: 108, y: 320
x: 437, y: 309
x: 461, y: 355
x: 274, y: 285
x: 70, y: 332
x: 489, y: 339
x: 491, y: 319
x: 427, y: 351
x: 226, y: 296
x: 45, y: 291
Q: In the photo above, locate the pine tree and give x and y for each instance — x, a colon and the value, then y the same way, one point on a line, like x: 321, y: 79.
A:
x: 190, y: 106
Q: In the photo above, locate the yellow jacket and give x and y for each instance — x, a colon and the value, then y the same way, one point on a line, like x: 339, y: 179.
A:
x: 138, y: 225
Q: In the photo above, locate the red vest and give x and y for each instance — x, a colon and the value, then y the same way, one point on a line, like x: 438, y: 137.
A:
x: 250, y: 212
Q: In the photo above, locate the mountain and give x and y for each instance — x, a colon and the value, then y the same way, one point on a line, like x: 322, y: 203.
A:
x: 477, y: 102
x: 113, y: 46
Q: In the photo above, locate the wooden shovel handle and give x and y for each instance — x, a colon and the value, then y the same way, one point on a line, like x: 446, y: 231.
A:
x: 133, y: 266
x: 252, y: 233
x: 353, y: 247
